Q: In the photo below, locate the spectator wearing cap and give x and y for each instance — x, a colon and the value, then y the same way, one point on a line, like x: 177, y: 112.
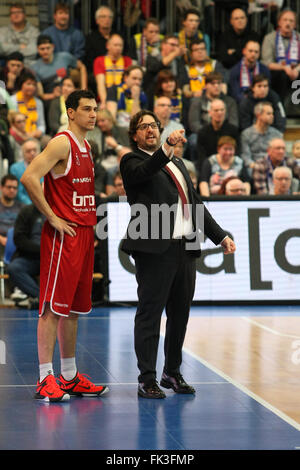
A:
x: 19, y: 35
x: 52, y: 67
x: 11, y: 71
x: 65, y: 37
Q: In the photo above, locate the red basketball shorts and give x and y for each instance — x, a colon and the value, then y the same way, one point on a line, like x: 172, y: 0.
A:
x: 66, y: 270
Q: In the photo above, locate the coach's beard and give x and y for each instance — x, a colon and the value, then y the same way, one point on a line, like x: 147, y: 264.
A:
x: 152, y: 146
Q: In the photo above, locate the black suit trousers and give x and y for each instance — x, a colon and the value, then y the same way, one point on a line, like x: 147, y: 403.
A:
x: 165, y: 281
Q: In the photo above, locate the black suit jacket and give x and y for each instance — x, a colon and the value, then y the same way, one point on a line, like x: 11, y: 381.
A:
x: 148, y: 183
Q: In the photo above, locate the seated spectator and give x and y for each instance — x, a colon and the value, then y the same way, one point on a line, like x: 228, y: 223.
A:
x: 294, y: 160
x: 261, y: 92
x: 109, y: 68
x: 113, y: 169
x: 24, y: 267
x: 30, y: 150
x: 167, y: 85
x: 126, y: 99
x: 19, y: 35
x: 199, y: 106
x: 26, y: 102
x: 263, y: 168
x: 163, y: 110
x: 220, y: 166
x: 198, y: 114
x: 283, y: 181
x: 101, y: 176
x: 243, y: 73
x: 281, y: 53
x: 233, y: 40
x: 57, y: 117
x: 232, y: 186
x: 9, y: 207
x: 17, y: 133
x: 52, y: 67
x: 179, y: 149
x: 11, y: 71
x: 65, y: 37
x: 255, y: 139
x: 146, y: 43
x: 95, y: 44
x: 190, y: 31
x: 209, y: 134
x: 171, y: 59
x: 104, y: 129
x: 199, y: 67
x: 117, y: 192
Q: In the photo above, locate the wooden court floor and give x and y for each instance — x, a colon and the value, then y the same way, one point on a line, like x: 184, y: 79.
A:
x: 244, y: 363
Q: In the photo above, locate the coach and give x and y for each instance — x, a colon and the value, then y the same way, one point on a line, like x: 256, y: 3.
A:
x: 164, y: 248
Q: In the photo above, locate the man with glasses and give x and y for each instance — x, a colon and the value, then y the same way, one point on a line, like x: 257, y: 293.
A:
x: 164, y: 248
x: 234, y: 38
x: 283, y: 181
x: 19, y: 35
x: 263, y: 168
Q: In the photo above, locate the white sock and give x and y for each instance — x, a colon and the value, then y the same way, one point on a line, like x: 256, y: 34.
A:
x: 68, y: 368
x: 45, y: 369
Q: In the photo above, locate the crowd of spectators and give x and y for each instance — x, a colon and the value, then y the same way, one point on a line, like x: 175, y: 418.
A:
x: 233, y: 99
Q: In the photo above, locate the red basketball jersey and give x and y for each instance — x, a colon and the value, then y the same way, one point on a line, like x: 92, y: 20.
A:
x: 71, y: 195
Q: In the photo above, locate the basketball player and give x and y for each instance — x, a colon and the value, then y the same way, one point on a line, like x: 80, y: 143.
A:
x: 67, y: 247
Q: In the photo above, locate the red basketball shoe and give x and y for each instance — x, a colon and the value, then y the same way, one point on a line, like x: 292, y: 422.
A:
x: 49, y: 390
x: 81, y: 386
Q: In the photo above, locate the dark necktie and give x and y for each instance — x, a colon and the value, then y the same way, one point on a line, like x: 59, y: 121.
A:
x: 183, y: 198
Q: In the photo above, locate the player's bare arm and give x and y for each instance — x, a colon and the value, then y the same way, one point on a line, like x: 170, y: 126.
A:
x: 53, y: 157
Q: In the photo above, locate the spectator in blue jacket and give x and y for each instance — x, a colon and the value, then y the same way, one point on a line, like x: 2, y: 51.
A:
x: 30, y: 149
x: 66, y: 38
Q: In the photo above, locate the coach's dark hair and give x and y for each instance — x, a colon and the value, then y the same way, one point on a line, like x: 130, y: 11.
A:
x: 135, y: 121
x: 73, y: 99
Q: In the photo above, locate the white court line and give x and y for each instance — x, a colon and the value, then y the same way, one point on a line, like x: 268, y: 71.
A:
x: 245, y: 390
x: 110, y: 384
x: 270, y: 330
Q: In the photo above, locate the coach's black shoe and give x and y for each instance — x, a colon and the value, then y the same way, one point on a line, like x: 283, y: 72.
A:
x: 177, y: 383
x: 150, y: 390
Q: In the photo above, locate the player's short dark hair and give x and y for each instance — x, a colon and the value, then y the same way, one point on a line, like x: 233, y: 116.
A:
x: 73, y: 99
